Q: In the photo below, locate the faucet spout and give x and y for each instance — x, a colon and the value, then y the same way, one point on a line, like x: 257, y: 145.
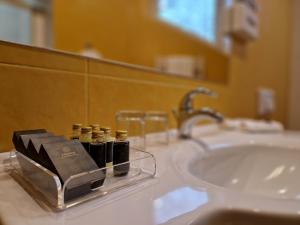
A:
x: 186, y: 103
x: 187, y: 116
x: 191, y: 119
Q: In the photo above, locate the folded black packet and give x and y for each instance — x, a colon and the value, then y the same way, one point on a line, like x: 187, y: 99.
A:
x: 25, y: 138
x: 35, y: 146
x: 16, y: 138
x: 69, y: 158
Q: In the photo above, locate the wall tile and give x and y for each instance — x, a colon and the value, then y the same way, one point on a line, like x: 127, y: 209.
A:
x: 36, y: 98
x: 143, y: 74
x: 31, y: 56
x: 107, y: 96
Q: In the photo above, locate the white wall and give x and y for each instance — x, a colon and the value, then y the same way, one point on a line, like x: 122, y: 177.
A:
x: 294, y: 99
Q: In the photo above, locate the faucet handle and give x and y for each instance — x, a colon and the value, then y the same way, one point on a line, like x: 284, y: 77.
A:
x: 203, y: 91
x: 187, y: 101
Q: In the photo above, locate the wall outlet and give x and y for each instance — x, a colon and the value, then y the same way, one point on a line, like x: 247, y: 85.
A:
x: 265, y: 102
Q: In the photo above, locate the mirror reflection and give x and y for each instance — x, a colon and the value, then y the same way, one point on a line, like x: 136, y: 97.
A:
x: 181, y: 37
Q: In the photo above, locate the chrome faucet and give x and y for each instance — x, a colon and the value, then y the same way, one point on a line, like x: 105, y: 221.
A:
x: 187, y: 116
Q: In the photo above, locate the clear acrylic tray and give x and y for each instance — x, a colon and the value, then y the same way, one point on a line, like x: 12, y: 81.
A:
x: 46, y: 188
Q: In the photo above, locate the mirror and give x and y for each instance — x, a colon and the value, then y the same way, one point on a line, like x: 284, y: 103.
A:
x: 181, y: 37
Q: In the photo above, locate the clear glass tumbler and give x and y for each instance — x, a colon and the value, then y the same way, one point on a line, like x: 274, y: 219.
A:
x: 156, y: 122
x: 134, y: 123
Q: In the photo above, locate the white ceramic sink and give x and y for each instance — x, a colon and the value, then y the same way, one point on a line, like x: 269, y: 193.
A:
x: 256, y: 169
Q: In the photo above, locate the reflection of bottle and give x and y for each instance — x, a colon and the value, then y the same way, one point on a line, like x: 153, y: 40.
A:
x: 90, y: 51
x: 98, y: 153
x: 121, y: 153
x: 76, y: 131
x: 86, y: 137
x: 109, y: 145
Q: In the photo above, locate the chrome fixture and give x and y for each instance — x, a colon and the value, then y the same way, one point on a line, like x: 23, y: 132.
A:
x: 187, y: 116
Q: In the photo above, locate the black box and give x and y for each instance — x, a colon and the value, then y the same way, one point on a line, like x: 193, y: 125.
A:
x: 70, y: 158
x: 16, y: 138
x: 35, y: 146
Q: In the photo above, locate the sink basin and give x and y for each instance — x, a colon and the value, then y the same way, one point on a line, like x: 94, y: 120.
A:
x: 262, y: 170
x: 244, y: 218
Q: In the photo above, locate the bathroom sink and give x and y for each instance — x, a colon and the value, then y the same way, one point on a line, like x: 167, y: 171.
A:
x: 262, y: 170
x: 244, y: 218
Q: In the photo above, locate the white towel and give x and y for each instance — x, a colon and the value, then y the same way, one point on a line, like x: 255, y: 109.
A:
x: 253, y: 126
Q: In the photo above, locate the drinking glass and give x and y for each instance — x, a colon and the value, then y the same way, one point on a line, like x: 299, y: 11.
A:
x: 134, y: 123
x: 156, y: 122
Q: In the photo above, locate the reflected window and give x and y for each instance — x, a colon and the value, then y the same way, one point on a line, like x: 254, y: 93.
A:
x: 26, y: 22
x: 196, y: 17
x: 15, y: 23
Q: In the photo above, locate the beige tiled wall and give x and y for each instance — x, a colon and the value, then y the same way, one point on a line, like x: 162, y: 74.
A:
x: 52, y: 90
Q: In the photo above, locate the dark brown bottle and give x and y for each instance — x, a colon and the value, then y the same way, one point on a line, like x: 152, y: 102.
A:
x: 86, y: 137
x: 76, y: 131
x: 95, y: 127
x: 121, y: 154
x: 97, y: 149
x: 98, y: 154
x: 109, y: 145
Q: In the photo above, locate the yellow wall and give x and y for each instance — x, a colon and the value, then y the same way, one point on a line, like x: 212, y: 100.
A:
x: 46, y: 89
x: 294, y: 92
x: 128, y: 31
x: 266, y: 61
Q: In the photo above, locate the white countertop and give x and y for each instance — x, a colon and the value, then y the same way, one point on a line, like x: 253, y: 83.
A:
x: 171, y: 198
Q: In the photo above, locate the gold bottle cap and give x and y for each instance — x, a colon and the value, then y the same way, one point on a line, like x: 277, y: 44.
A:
x: 95, y: 127
x: 106, y: 129
x: 121, y: 134
x: 99, y: 134
x: 76, y: 126
x: 86, y: 130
